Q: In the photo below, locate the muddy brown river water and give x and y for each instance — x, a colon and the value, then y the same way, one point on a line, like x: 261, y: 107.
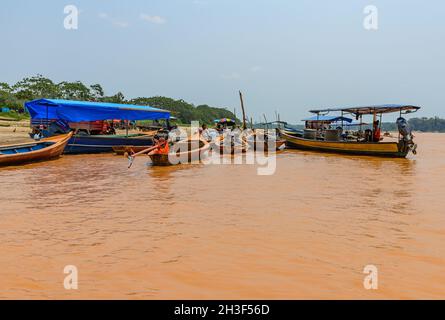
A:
x: 216, y: 232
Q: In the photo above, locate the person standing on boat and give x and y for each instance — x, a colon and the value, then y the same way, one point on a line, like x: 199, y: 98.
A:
x: 376, y: 131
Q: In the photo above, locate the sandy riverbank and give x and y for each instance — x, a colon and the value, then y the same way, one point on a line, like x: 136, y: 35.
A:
x: 17, y: 133
x: 14, y: 134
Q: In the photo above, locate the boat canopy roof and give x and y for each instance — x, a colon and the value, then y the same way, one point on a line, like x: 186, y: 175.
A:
x: 384, y: 108
x: 78, y: 111
x: 324, y: 118
x: 351, y: 124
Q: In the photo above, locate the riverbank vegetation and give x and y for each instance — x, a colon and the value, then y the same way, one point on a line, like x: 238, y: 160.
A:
x: 37, y: 87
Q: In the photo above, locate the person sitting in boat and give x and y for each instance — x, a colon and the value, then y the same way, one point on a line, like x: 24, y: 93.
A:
x: 219, y: 128
x: 111, y: 129
x: 368, y: 135
x: 376, y: 133
x: 105, y: 127
x: 163, y: 147
x: 37, y: 134
x: 204, y: 133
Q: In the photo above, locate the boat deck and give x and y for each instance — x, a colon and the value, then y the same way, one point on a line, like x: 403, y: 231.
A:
x: 24, y: 148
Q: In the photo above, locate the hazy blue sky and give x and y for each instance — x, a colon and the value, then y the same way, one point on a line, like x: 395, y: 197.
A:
x: 285, y: 55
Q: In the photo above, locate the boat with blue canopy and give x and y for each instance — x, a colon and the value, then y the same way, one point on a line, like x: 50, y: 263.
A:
x: 91, y: 123
x: 326, y: 133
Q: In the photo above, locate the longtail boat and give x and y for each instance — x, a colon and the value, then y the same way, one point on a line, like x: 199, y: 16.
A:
x: 232, y: 148
x: 50, y: 116
x: 320, y: 136
x: 43, y: 150
x: 265, y: 144
x: 229, y: 140
x: 182, y: 152
x: 89, y: 144
x: 230, y: 144
x: 264, y: 141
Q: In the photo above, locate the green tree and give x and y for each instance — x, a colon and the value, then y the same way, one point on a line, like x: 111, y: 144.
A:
x: 96, y: 91
x: 117, y: 98
x: 74, y: 91
x: 36, y: 87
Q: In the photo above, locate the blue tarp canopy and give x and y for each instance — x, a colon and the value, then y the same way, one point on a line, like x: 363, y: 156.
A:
x: 328, y: 119
x: 77, y: 111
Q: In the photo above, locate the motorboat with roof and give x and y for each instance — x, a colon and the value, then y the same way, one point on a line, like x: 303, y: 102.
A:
x: 332, y: 133
x: 50, y: 117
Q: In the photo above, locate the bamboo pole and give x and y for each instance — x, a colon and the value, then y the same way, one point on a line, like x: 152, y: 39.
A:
x: 244, y: 111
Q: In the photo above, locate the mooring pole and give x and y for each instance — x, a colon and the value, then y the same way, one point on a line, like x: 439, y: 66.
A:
x: 244, y: 111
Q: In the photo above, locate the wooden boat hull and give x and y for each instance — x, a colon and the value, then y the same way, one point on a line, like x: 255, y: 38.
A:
x: 88, y: 144
x: 228, y: 148
x: 255, y: 144
x: 178, y: 156
x: 380, y: 149
x: 43, y: 150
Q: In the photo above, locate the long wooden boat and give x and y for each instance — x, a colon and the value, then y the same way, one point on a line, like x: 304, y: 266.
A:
x: 383, y: 149
x: 319, y: 135
x: 194, y: 151
x: 49, y: 116
x: 82, y: 144
x: 43, y: 150
x: 101, y: 143
x: 231, y: 147
x: 254, y: 143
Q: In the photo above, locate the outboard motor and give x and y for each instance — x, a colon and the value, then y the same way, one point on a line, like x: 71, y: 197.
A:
x: 406, y: 133
x: 404, y: 129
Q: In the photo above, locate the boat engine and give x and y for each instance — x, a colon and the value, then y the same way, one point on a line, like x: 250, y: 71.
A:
x: 407, y: 135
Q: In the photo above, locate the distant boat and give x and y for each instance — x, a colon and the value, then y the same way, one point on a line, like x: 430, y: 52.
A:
x: 43, y: 150
x: 292, y: 131
x: 320, y: 136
